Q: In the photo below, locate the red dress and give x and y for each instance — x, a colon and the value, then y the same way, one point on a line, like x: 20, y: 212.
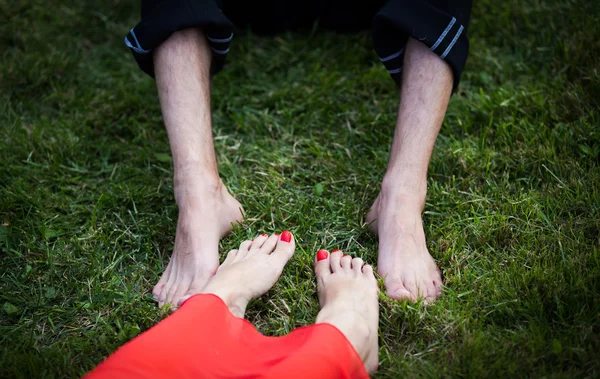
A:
x: 204, y: 340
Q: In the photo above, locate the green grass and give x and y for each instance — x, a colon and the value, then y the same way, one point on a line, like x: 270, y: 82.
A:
x: 303, y: 125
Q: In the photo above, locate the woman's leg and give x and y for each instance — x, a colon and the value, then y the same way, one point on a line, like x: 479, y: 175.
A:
x: 349, y: 301
x: 343, y: 342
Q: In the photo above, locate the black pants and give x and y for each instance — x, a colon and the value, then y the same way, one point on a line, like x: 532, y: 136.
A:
x: 439, y: 24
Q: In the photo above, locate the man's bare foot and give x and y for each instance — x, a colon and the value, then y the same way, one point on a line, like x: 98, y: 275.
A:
x: 250, y: 271
x: 348, y: 297
x: 404, y: 261
x: 206, y: 214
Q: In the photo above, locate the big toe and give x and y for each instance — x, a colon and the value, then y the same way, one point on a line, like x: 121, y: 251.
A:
x: 284, y: 250
x: 322, y: 264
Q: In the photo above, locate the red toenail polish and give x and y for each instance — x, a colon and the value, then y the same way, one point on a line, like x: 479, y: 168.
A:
x: 263, y: 235
x: 322, y: 254
x: 336, y: 251
x: 344, y: 255
x: 286, y: 236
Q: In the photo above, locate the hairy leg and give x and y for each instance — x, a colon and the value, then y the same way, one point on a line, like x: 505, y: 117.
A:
x: 206, y: 209
x: 404, y: 261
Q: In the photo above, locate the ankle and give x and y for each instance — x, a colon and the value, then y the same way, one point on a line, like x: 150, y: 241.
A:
x: 236, y: 304
x: 185, y: 175
x: 353, y: 328
x: 409, y: 192
x: 192, y: 183
x: 237, y: 309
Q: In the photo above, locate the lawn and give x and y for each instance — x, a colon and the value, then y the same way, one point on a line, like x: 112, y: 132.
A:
x: 303, y: 125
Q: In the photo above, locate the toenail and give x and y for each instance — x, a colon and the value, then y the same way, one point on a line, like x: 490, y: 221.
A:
x: 286, y: 236
x: 322, y: 254
x: 263, y: 235
x: 336, y: 251
x: 345, y: 255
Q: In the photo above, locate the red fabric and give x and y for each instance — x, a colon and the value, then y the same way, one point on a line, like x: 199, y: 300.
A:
x: 204, y: 340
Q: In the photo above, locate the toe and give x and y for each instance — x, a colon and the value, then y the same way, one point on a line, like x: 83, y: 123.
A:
x: 286, y: 244
x: 259, y: 241
x: 269, y: 246
x: 396, y: 290
x: 162, y: 282
x: 367, y: 270
x: 437, y: 282
x: 357, y: 264
x: 334, y: 261
x: 433, y: 290
x: 322, y: 264
x: 171, y: 282
x: 230, y: 256
x: 158, y: 288
x: 178, y: 290
x: 163, y: 295
x: 244, y: 248
x: 346, y: 262
x: 417, y: 289
x: 431, y: 293
x: 438, y: 288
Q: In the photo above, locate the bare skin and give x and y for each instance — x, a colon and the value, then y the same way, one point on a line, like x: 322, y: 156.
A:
x: 348, y: 297
x: 249, y: 271
x: 404, y: 261
x: 347, y: 289
x: 206, y: 209
x: 182, y: 72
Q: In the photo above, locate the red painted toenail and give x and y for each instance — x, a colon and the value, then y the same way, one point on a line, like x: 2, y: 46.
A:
x: 345, y: 255
x: 263, y: 235
x: 286, y: 236
x: 336, y: 251
x: 322, y: 254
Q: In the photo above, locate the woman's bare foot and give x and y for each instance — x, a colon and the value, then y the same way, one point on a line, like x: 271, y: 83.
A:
x: 250, y: 271
x: 404, y: 261
x: 348, y: 297
x: 206, y: 214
